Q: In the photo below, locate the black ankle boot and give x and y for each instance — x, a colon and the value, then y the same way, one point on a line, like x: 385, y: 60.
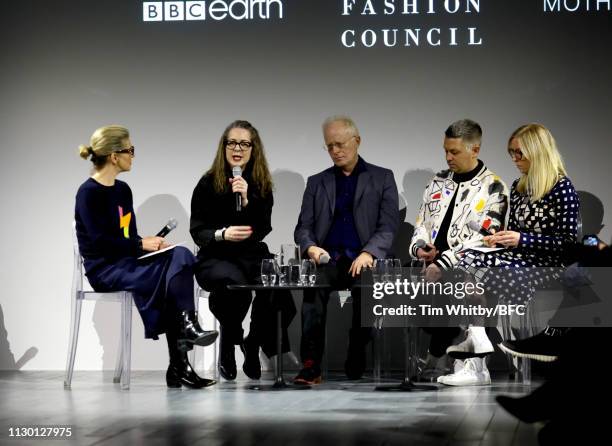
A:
x: 180, y: 373
x: 251, y: 366
x: 190, y: 333
x: 227, y: 358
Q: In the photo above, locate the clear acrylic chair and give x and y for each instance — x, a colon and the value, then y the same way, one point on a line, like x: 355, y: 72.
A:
x: 520, y: 368
x: 81, y: 290
x: 528, y: 326
x: 200, y: 293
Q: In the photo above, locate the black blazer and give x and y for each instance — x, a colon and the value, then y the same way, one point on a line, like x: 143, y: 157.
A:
x: 376, y: 210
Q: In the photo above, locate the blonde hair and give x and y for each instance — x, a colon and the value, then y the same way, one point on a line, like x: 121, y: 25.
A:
x: 539, y: 147
x: 103, y: 142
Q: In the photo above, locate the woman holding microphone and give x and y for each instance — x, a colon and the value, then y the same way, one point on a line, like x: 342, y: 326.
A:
x: 162, y: 285
x: 231, y: 210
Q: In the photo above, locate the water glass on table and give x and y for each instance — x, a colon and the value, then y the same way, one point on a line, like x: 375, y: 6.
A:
x: 397, y: 269
x: 417, y: 270
x: 377, y: 270
x: 308, y: 273
x: 387, y: 274
x: 268, y: 272
x: 290, y: 265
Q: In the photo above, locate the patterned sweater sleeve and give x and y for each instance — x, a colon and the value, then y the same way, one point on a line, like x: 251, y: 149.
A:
x: 420, y: 231
x: 566, y: 204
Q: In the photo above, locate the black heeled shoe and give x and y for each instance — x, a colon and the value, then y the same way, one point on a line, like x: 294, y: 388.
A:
x: 251, y: 366
x: 227, y: 360
x: 180, y: 373
x: 190, y: 333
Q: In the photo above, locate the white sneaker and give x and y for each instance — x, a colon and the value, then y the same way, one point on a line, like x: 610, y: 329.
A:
x: 457, y: 366
x: 473, y: 373
x: 476, y: 345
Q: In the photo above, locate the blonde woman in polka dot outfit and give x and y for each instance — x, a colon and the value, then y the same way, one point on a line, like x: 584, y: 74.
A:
x: 543, y: 221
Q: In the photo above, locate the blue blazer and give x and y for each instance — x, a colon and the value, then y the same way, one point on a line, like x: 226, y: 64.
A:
x: 376, y: 210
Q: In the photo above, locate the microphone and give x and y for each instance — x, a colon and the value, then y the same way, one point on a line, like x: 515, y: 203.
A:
x: 323, y: 259
x: 237, y: 172
x: 172, y: 224
x: 420, y: 243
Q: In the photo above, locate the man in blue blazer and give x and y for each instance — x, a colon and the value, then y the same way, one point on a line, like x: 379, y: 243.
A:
x: 349, y: 217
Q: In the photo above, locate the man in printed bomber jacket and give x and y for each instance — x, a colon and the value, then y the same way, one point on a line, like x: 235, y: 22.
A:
x: 459, y: 206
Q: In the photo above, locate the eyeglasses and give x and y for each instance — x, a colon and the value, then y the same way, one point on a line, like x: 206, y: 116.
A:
x: 340, y: 145
x: 240, y: 146
x: 515, y: 154
x: 131, y: 150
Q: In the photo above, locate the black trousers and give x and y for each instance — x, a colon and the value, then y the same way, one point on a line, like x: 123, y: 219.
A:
x: 231, y: 307
x: 314, y: 310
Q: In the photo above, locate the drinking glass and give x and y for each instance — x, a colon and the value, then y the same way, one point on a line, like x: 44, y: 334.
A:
x: 379, y: 270
x: 308, y: 273
x: 268, y: 272
x: 290, y: 264
x: 397, y: 269
x: 417, y: 269
x: 387, y: 274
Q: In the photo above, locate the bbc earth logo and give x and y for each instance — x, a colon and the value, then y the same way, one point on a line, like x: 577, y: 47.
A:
x: 212, y: 10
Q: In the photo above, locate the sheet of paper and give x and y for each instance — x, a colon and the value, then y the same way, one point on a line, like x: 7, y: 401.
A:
x: 484, y: 249
x: 154, y: 253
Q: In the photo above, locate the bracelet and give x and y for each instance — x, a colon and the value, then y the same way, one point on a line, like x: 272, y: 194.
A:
x: 220, y: 234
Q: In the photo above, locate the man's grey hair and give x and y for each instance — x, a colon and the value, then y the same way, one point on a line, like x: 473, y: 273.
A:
x: 346, y: 120
x: 469, y: 131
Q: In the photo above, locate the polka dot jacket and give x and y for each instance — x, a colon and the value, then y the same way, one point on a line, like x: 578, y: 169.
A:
x: 546, y: 226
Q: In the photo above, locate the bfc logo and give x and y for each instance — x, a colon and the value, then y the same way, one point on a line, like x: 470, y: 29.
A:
x: 214, y: 10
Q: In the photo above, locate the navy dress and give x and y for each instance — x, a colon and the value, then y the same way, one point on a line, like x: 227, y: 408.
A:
x: 548, y: 227
x: 109, y: 243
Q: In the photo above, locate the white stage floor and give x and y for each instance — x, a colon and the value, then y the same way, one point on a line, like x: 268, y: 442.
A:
x: 335, y: 413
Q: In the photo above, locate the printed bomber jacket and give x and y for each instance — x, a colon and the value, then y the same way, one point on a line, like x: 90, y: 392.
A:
x: 483, y: 200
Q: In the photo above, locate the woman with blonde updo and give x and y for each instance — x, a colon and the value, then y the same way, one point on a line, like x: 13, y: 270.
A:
x: 162, y: 285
